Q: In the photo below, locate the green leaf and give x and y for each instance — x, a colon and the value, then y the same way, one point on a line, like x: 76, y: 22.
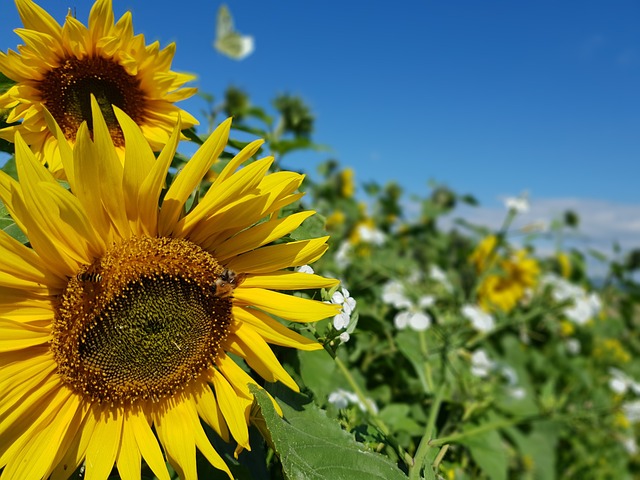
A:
x: 311, y: 446
x: 5, y: 83
x: 488, y: 452
x: 10, y: 168
x: 312, y: 227
x: 409, y: 344
x: 399, y: 415
x: 191, y: 134
x: 319, y: 372
x: 538, y: 448
x: 9, y: 226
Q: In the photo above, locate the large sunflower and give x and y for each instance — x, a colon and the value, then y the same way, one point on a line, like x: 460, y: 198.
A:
x: 117, y: 321
x: 59, y: 67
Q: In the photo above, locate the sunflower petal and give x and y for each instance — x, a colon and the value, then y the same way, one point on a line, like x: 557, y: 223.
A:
x: 240, y: 381
x: 17, y: 335
x: 248, y: 344
x: 230, y: 407
x: 209, y: 410
x: 138, y: 164
x: 22, y: 268
x: 104, y: 443
x: 128, y: 459
x: 273, y: 331
x: 259, y: 235
x: 291, y: 308
x: 288, y: 281
x: 201, y: 440
x: 174, y: 431
x: 148, y: 444
x: 35, y: 17
x: 100, y: 19
x: 277, y: 257
x: 151, y: 187
x: 75, y: 454
x: 37, y: 457
x: 236, y: 186
x: 111, y: 172
x: 190, y: 177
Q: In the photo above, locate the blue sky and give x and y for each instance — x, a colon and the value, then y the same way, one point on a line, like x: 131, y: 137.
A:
x: 491, y: 98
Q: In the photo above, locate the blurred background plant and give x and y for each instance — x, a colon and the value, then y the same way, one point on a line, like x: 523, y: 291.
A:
x: 460, y: 351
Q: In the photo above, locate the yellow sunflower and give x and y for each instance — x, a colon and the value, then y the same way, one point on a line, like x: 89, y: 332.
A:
x: 118, y: 318
x: 504, y: 290
x: 483, y: 254
x: 59, y: 67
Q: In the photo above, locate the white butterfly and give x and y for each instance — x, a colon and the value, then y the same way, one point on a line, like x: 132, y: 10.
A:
x: 229, y: 42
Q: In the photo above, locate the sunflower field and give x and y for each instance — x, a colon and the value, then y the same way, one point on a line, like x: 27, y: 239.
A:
x: 212, y: 315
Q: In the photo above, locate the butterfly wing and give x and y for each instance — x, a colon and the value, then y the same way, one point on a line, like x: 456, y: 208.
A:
x: 224, y: 22
x: 229, y: 42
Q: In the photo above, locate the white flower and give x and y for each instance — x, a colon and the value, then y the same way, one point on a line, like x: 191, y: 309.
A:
x: 630, y: 445
x: 341, y: 321
x: 631, y: 410
x: 426, y: 301
x: 517, y: 393
x: 517, y: 204
x: 348, y: 303
x: 573, y: 346
x: 411, y: 314
x: 510, y: 375
x: 414, y: 319
x: 371, y: 235
x: 585, y: 306
x: 414, y: 277
x: 481, y: 365
x: 438, y: 275
x: 480, y: 320
x: 393, y: 294
x: 305, y: 269
x: 342, y: 255
x: 620, y: 382
x: 342, y: 398
x: 344, y: 337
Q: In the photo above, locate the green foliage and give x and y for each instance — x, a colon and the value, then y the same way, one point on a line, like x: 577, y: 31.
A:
x: 539, y: 411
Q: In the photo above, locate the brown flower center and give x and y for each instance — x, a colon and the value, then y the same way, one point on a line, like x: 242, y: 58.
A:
x: 142, y: 321
x: 66, y: 92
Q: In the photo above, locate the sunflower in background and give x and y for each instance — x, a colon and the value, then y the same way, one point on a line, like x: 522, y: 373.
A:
x: 59, y: 67
x: 504, y: 281
x: 118, y: 318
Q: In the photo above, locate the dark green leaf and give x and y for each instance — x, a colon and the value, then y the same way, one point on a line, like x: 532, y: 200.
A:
x: 311, y: 446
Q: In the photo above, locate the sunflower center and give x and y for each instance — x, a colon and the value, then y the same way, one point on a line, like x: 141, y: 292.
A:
x: 142, y: 321
x: 66, y: 92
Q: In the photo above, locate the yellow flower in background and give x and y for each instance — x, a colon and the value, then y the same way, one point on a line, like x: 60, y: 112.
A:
x: 483, y: 252
x: 335, y: 220
x: 60, y: 67
x: 118, y: 321
x: 567, y: 328
x: 611, y: 350
x: 564, y: 263
x: 621, y: 421
x: 505, y: 289
x: 347, y: 184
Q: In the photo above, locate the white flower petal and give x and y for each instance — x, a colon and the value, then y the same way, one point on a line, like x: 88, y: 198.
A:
x: 419, y: 321
x: 401, y: 320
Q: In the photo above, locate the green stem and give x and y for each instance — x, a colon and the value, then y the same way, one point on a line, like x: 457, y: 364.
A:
x: 427, y: 366
x: 456, y: 437
x: 425, y: 443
